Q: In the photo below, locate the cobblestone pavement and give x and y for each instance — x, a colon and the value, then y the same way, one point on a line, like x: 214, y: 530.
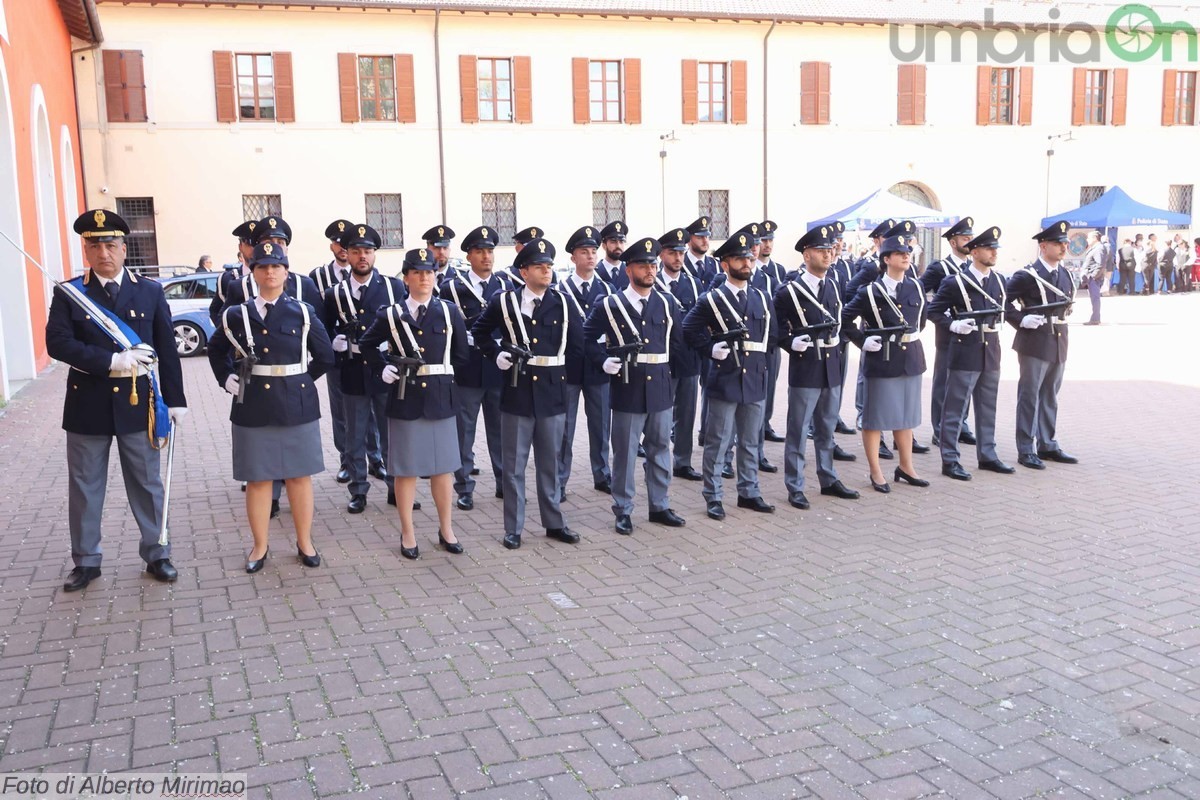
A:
x: 1015, y: 636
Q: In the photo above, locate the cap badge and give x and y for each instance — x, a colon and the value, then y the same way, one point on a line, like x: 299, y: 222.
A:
x: 742, y: 240
x: 995, y: 233
x: 1062, y: 226
x: 271, y: 222
x: 754, y: 229
x: 541, y: 247
x: 268, y: 248
x: 483, y: 232
x: 422, y: 254
x: 252, y: 226
x: 703, y: 222
x: 341, y: 227
x: 441, y: 232
x: 618, y: 227
x: 534, y: 231
x: 649, y: 245
x: 970, y: 222
x: 587, y: 232
x: 679, y: 235
x: 99, y: 218
x: 767, y: 225
x: 362, y: 231
x: 824, y: 233
x: 907, y: 227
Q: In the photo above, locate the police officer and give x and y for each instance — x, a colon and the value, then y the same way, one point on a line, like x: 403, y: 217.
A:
x: 109, y: 392
x: 245, y: 244
x: 649, y: 322
x: 611, y: 268
x: 774, y: 275
x: 338, y: 268
x: 520, y: 239
x: 969, y: 305
x: 477, y: 380
x: 437, y: 241
x: 840, y: 274
x: 736, y: 385
x: 300, y: 287
x: 276, y: 415
x: 697, y: 261
x: 350, y: 308
x: 809, y: 310
x: 324, y: 277
x: 538, y: 320
x: 681, y: 284
x: 1041, y: 345
x: 585, y: 289
x: 959, y: 258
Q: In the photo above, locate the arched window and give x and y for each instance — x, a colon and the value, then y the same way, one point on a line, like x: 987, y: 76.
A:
x: 927, y: 238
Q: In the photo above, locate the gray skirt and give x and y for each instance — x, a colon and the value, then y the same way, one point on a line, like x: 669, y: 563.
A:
x: 892, y: 404
x: 422, y: 447
x: 277, y: 452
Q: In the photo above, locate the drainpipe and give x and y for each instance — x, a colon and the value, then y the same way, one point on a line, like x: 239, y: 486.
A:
x: 437, y: 83
x: 766, y: 72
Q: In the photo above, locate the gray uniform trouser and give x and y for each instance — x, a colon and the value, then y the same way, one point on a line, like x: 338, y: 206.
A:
x: 87, y: 470
x: 773, y: 359
x: 937, y: 393
x: 470, y: 401
x: 627, y: 428
x: 817, y: 408
x: 724, y: 418
x: 362, y: 414
x: 337, y: 412
x: 1094, y: 284
x: 961, y: 387
x: 1037, y: 404
x: 598, y: 409
x: 684, y: 414
x: 544, y: 435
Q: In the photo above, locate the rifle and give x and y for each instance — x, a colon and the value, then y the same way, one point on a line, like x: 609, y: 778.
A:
x: 627, y: 353
x: 886, y: 334
x: 245, y: 366
x: 978, y: 316
x: 734, y: 337
x: 349, y: 328
x: 519, y: 356
x: 407, y: 365
x: 815, y: 330
x: 1050, y: 309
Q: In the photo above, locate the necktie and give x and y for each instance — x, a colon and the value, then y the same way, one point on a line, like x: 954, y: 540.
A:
x: 820, y: 288
x: 672, y: 286
x: 741, y: 298
x: 420, y: 313
x: 113, y: 288
x: 537, y: 301
x: 583, y: 288
x: 267, y: 311
x: 642, y: 310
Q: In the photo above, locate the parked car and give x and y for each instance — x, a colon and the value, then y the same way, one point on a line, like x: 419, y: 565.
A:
x: 189, y: 297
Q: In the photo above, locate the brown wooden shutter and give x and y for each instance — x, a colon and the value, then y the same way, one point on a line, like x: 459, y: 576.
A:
x: 135, y: 85
x: 633, y: 91
x: 522, y: 89
x: 808, y: 93
x: 1170, y: 77
x: 406, y: 93
x: 285, y: 94
x: 918, y: 90
x: 737, y: 92
x: 124, y: 86
x: 1078, y: 87
x: 691, y: 88
x: 348, y: 87
x: 468, y: 82
x: 223, y: 77
x: 823, y: 93
x: 1120, y: 79
x: 1025, y: 96
x: 910, y: 94
x: 580, y: 94
x: 983, y: 94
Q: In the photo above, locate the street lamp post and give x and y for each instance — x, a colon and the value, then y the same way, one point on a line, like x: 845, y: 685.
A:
x: 1066, y: 137
x: 662, y: 161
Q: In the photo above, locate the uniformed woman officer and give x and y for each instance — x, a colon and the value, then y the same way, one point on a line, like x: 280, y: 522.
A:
x: 422, y: 432
x: 283, y: 349
x: 892, y: 309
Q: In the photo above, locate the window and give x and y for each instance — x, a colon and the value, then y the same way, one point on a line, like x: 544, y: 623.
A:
x: 604, y: 91
x: 607, y: 206
x: 1090, y: 194
x: 714, y: 204
x: 257, y: 206
x: 1179, y: 97
x: 1098, y: 96
x: 142, y: 241
x: 496, y: 89
x: 383, y: 214
x: 1095, y: 97
x: 910, y: 94
x: 1179, y: 198
x: 494, y: 82
x: 255, y: 85
x: 377, y: 87
x: 714, y: 92
x: 814, y: 93
x: 710, y: 91
x: 1004, y: 96
x: 500, y: 212
x: 124, y: 86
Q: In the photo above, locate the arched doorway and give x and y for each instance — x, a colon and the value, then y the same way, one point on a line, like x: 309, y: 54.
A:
x: 49, y: 225
x: 16, y: 353
x: 70, y: 194
x: 927, y: 238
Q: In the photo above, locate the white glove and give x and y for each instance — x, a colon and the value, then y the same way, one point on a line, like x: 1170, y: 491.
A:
x: 1033, y: 321
x: 504, y: 360
x: 144, y: 354
x: 470, y: 339
x: 123, y: 361
x: 612, y: 365
x: 802, y: 343
x: 390, y: 374
x: 873, y: 344
x: 177, y: 413
x: 232, y: 384
x: 720, y: 351
x: 962, y: 327
x: 340, y: 343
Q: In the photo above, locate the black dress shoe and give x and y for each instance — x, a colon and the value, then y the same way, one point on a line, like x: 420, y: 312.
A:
x: 716, y: 510
x: 843, y: 428
x: 274, y: 509
x: 641, y: 451
x: 80, y: 577
x: 935, y: 440
x: 727, y: 472
x: 163, y: 570
x: 1030, y: 460
x: 882, y: 488
x: 755, y: 504
x: 411, y: 553
x: 688, y: 474
x: 841, y: 455
x: 357, y: 504
x: 391, y: 498
x: 798, y: 500
x: 604, y: 486
x: 997, y: 466
x: 343, y: 475
x: 766, y: 466
x: 474, y: 471
x: 884, y: 453
x: 254, y: 565
x: 378, y: 471
x: 309, y: 561
x: 562, y: 496
x: 955, y: 470
x: 565, y: 535
x: 624, y: 525
x: 465, y: 502
x: 500, y: 494
x: 966, y: 437
x: 511, y: 540
x: 1057, y: 455
x: 903, y: 477
x: 416, y: 505
x: 450, y: 547
x: 771, y: 436
x: 839, y: 489
x: 917, y: 448
x: 667, y: 517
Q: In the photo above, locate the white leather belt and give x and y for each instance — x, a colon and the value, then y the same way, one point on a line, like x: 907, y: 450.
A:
x: 754, y: 347
x: 119, y: 373
x: 1058, y: 321
x: 277, y: 370
x: 547, y: 361
x: 653, y: 358
x: 908, y: 337
x: 990, y: 328
x: 834, y: 342
x: 433, y: 369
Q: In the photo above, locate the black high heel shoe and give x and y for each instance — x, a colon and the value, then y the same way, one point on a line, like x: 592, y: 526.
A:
x: 449, y: 547
x: 882, y: 488
x: 253, y: 565
x: 903, y: 477
x: 309, y: 561
x: 411, y: 553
